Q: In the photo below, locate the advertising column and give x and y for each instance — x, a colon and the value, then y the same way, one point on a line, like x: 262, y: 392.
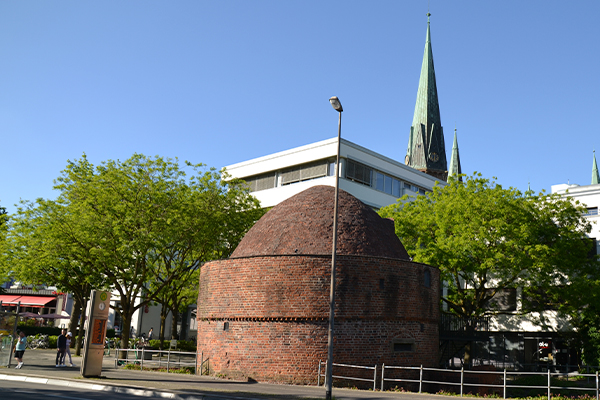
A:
x: 95, y: 334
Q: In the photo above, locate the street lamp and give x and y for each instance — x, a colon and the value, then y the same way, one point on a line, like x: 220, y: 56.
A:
x: 335, y: 102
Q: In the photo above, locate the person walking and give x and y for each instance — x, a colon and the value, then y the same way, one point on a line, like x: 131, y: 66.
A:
x: 61, y: 344
x: 68, y: 349
x: 20, y: 349
x: 150, y: 333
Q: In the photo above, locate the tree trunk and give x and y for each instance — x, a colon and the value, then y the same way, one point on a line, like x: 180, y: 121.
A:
x: 174, y: 321
x: 81, y: 326
x: 467, y: 358
x: 183, y: 331
x: 163, y: 322
x: 75, y: 313
x: 127, y: 311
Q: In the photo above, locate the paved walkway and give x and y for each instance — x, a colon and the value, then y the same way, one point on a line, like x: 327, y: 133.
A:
x: 39, y: 368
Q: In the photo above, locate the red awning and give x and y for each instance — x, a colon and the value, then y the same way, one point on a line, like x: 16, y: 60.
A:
x: 9, y: 298
x: 26, y: 301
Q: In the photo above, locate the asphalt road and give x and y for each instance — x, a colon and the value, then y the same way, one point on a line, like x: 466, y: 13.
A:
x: 39, y: 377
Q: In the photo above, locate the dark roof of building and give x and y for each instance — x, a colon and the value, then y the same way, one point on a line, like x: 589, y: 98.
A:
x: 303, y: 224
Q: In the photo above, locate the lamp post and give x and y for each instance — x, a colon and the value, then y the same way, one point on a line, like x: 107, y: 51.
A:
x: 335, y: 102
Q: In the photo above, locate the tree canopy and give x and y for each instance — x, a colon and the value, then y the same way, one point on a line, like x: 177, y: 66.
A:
x: 486, y: 239
x: 134, y: 227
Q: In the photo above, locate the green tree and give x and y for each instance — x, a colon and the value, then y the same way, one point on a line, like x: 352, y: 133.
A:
x: 45, y: 248
x: 3, y: 232
x: 214, y: 213
x: 150, y: 224
x: 486, y: 239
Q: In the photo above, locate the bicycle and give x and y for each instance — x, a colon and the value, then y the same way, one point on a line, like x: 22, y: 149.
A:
x: 41, y: 342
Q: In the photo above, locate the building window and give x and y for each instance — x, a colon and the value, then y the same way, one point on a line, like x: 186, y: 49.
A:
x: 358, y: 172
x: 261, y: 182
x: 427, y: 278
x: 503, y: 300
x: 304, y: 172
x: 403, y: 345
x: 379, y: 182
x: 331, y: 168
x: 396, y: 188
x: 591, y: 211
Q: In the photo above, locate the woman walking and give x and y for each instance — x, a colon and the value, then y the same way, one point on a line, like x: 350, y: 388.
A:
x: 20, y: 349
x: 68, y: 350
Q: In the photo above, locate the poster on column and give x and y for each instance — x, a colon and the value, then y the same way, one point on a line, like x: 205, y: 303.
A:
x: 95, y: 334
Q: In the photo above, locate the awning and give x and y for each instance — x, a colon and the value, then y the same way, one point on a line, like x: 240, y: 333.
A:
x: 26, y: 301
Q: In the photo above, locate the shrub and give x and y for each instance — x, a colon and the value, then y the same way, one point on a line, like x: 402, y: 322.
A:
x: 182, y: 345
x: 34, y: 330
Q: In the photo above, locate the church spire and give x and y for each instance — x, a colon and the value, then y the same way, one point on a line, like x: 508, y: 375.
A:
x: 426, y: 149
x: 595, y: 176
x: 455, y: 169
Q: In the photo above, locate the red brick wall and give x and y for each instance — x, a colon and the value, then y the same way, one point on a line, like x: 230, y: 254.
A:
x: 277, y: 311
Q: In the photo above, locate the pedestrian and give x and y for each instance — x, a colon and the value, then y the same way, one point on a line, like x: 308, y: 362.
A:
x: 68, y: 349
x: 20, y: 349
x: 61, y: 344
x: 150, y: 333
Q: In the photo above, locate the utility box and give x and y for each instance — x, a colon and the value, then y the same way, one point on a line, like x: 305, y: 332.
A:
x: 95, y: 334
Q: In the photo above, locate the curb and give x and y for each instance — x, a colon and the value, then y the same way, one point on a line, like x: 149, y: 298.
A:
x: 99, y: 387
x: 117, y: 388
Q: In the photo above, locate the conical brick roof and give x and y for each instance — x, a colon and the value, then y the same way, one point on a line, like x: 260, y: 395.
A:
x: 303, y: 224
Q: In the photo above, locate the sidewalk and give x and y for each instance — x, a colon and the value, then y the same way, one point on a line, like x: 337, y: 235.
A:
x: 39, y: 368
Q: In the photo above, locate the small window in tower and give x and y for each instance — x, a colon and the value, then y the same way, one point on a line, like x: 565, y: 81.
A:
x: 403, y: 345
x: 381, y: 284
x: 226, y: 325
x: 427, y: 278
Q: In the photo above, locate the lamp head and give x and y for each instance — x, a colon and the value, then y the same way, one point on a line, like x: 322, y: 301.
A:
x: 335, y: 103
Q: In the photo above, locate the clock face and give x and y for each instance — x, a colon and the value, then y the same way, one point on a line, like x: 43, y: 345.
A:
x: 101, y: 306
x: 407, y: 160
x: 434, y: 157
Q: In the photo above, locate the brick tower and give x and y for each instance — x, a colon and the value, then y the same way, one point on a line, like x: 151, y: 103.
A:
x: 263, y: 313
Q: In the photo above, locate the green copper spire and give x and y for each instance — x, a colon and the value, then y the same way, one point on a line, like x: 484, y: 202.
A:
x: 455, y: 169
x: 595, y: 176
x: 426, y: 149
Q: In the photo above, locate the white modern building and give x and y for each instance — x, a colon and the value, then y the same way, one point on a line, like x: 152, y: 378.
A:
x: 374, y: 179
x: 589, y: 196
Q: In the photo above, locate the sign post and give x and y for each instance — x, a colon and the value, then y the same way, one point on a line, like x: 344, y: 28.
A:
x: 95, y: 334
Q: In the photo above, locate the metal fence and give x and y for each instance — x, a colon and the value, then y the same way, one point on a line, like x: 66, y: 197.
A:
x: 168, y: 359
x: 506, y: 378
x: 374, y: 368
x: 461, y: 380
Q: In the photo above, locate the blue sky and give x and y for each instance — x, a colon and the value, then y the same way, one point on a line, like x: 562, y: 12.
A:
x: 219, y: 82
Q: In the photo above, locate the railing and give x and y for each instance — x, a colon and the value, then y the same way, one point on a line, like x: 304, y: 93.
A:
x: 505, y: 381
x: 452, y: 323
x: 374, y: 368
x: 156, y: 359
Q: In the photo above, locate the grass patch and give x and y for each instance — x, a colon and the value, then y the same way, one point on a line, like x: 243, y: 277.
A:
x: 183, y: 370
